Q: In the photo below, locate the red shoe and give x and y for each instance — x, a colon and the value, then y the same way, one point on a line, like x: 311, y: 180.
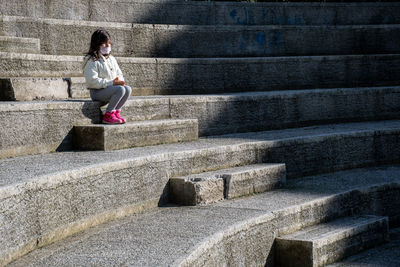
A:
x: 109, y: 118
x: 117, y: 114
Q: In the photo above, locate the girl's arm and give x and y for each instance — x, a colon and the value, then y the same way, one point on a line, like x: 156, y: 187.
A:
x: 92, y: 77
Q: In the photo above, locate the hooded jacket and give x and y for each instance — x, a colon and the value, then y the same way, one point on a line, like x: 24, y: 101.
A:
x: 102, y: 72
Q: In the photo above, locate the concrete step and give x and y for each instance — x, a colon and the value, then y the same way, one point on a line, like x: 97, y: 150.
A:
x: 19, y: 45
x: 133, y: 134
x: 42, y: 127
x: 28, y: 89
x: 187, y: 41
x: 329, y: 242
x: 45, y: 198
x: 77, y: 88
x: 215, y: 75
x: 229, y: 233
x: 209, y: 187
x: 210, y: 13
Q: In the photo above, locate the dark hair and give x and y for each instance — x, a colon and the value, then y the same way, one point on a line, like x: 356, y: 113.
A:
x: 99, y: 37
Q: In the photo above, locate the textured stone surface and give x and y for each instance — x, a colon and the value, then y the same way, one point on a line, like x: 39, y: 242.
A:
x: 28, y: 89
x: 186, y: 41
x: 217, y: 114
x: 329, y: 242
x: 77, y: 88
x: 202, y: 12
x: 387, y: 255
x: 72, y: 191
x: 215, y: 75
x: 19, y: 45
x: 134, y: 134
x: 231, y: 233
x: 208, y: 187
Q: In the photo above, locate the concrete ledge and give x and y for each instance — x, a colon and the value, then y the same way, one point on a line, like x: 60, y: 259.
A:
x: 216, y: 114
x: 205, y: 76
x: 203, y: 13
x: 187, y: 41
x: 19, y: 45
x: 208, y: 187
x: 134, y: 134
x: 329, y: 242
x: 56, y: 201
x: 241, y: 231
x: 28, y: 89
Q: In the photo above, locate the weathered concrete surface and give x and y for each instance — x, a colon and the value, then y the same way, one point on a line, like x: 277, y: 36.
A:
x: 28, y: 89
x: 216, y: 114
x: 19, y: 45
x: 208, y: 187
x: 77, y: 88
x: 232, y: 233
x: 208, y: 13
x: 186, y: 41
x: 31, y: 128
x: 63, y: 193
x: 387, y: 255
x: 326, y: 243
x: 216, y: 75
x: 134, y: 134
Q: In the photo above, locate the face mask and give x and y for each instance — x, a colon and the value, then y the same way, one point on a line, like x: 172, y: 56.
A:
x: 105, y: 50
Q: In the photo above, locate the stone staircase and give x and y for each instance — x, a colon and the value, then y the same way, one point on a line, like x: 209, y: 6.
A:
x: 275, y: 91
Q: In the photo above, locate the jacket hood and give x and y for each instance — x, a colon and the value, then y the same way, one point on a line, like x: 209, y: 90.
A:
x: 87, y: 58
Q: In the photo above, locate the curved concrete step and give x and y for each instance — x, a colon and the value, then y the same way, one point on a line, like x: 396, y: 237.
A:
x: 387, y: 255
x: 228, y: 233
x: 185, y: 41
x: 49, y: 197
x: 19, y: 45
x: 40, y: 127
x: 326, y: 243
x: 215, y: 75
x: 208, y: 187
x: 210, y: 13
x: 134, y: 134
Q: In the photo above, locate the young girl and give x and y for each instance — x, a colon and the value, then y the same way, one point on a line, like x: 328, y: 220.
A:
x: 104, y: 78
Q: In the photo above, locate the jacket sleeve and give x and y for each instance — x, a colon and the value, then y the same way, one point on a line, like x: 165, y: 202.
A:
x: 119, y: 72
x: 92, y: 77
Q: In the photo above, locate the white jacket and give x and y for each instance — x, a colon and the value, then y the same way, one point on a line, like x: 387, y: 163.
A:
x: 102, y: 72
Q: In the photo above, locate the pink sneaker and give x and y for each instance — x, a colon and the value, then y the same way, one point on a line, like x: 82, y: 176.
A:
x: 117, y: 114
x: 109, y: 118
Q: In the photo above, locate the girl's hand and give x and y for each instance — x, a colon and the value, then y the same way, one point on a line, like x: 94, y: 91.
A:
x: 118, y: 82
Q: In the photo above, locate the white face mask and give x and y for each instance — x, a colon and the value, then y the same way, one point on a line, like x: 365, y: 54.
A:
x: 105, y: 50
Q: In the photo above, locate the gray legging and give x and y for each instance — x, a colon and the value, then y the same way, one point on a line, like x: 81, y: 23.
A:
x: 116, y: 95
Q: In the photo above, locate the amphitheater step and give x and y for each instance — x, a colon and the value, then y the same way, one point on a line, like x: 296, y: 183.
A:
x: 215, y: 75
x: 211, y: 12
x: 77, y: 88
x: 208, y: 187
x: 47, y: 125
x: 134, y: 134
x: 19, y: 45
x: 229, y: 233
x: 187, y: 41
x: 28, y: 89
x: 329, y: 242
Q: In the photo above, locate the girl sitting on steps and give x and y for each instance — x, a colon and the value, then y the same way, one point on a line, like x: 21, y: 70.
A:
x: 104, y: 78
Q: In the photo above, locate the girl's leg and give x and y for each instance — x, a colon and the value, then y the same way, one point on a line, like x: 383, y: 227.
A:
x: 128, y: 92
x: 112, y: 94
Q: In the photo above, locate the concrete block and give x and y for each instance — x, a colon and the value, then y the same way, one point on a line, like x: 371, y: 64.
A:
x: 208, y: 187
x: 326, y: 243
x: 134, y: 134
x: 19, y: 45
x: 244, y: 181
x: 28, y: 89
x: 77, y: 88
